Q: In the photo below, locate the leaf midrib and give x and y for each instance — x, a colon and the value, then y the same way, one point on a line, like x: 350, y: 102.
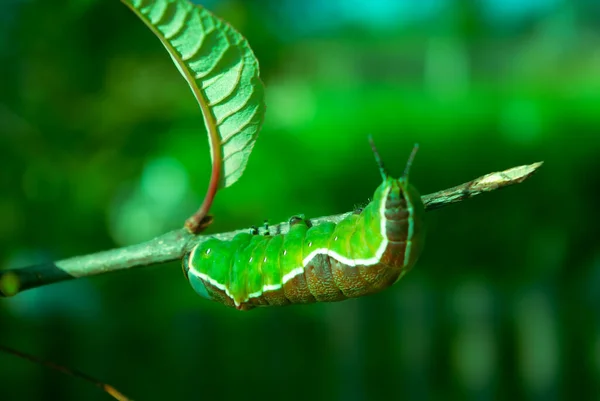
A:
x: 209, y: 120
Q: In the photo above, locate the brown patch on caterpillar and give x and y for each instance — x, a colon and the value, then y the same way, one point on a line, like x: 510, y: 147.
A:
x: 257, y: 301
x: 296, y: 290
x: 379, y: 276
x: 276, y: 297
x: 397, y: 231
x: 395, y: 208
x: 396, y: 214
x: 348, y: 279
x: 320, y: 280
x: 396, y: 218
x: 386, y: 279
x: 394, y: 254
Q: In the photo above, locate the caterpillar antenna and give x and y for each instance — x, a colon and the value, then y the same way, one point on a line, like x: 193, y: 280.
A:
x: 410, y: 160
x: 382, y: 170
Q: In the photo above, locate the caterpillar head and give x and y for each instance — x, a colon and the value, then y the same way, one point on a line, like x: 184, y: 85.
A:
x: 401, y: 210
x: 399, y: 185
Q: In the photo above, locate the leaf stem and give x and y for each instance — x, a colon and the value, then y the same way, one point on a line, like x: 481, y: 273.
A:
x: 173, y: 245
x: 194, y: 223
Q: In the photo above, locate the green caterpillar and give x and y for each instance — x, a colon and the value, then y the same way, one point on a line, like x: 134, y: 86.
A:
x: 362, y: 254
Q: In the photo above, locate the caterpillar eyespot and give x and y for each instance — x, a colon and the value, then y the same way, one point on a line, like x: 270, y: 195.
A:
x: 362, y: 254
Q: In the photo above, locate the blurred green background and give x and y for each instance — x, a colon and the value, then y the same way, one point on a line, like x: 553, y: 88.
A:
x: 102, y: 145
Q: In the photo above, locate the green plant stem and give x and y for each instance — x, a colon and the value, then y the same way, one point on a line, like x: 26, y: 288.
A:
x: 173, y: 245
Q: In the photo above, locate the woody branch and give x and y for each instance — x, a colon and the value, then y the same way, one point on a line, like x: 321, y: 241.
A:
x: 174, y: 244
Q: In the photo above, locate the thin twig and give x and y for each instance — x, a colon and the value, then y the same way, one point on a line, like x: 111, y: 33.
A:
x: 487, y: 183
x: 113, y: 392
x: 173, y: 245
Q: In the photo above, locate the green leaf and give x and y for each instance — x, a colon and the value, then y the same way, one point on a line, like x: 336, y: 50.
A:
x: 222, y: 72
